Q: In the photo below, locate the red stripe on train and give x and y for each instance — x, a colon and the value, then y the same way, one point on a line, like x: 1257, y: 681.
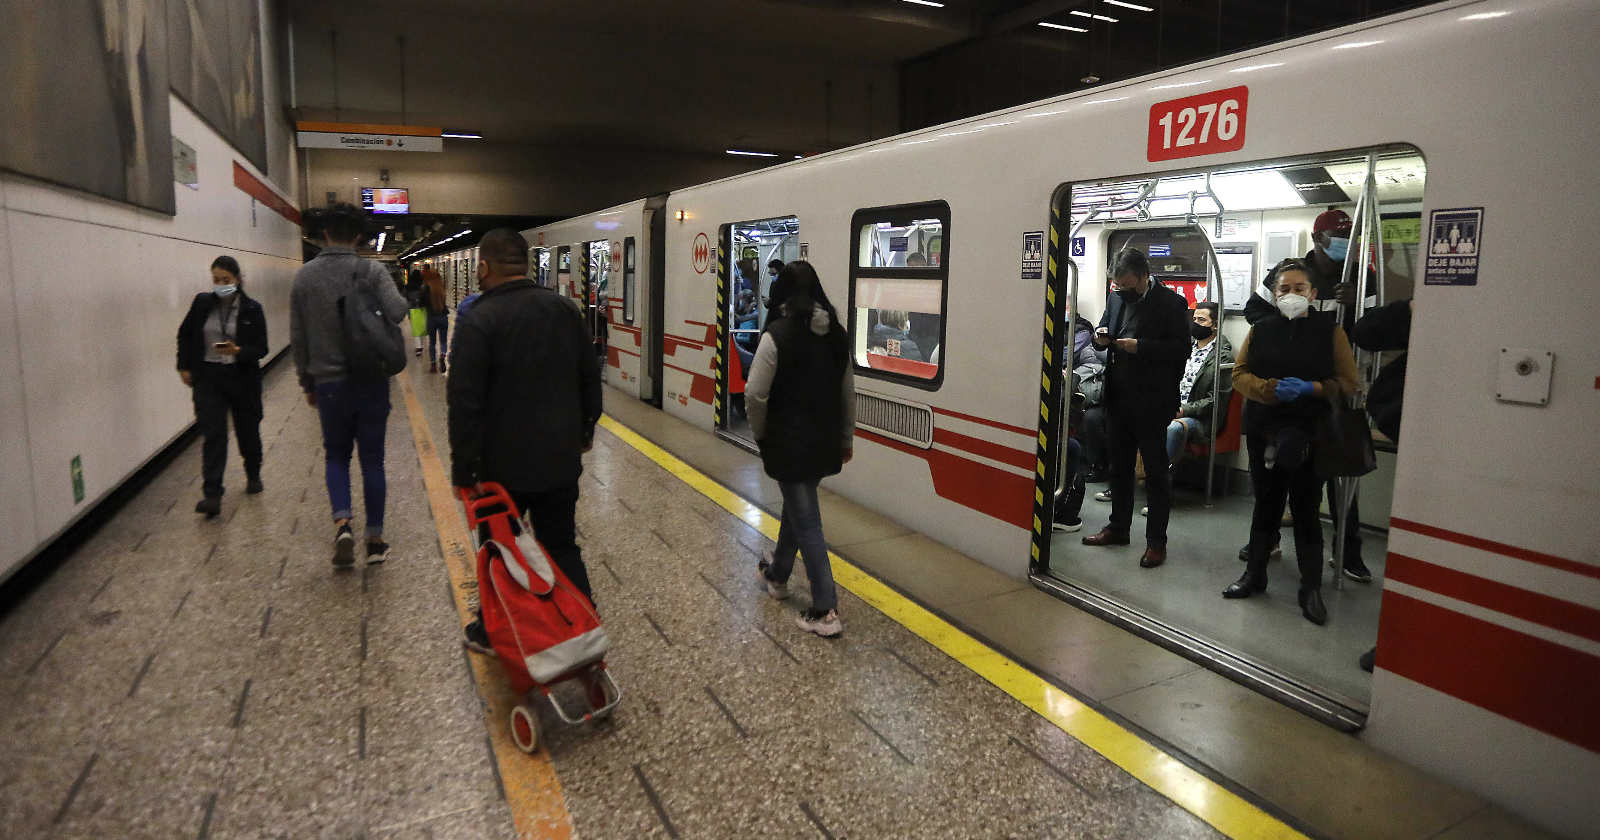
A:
x: 984, y: 422
x: 1538, y: 683
x: 994, y: 492
x: 1500, y: 597
x: 1470, y: 541
x: 993, y: 451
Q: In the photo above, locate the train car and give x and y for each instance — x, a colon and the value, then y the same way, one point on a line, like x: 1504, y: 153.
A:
x: 957, y: 254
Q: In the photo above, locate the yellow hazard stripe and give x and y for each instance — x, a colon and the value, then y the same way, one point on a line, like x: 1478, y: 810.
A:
x: 1225, y: 810
x: 533, y: 793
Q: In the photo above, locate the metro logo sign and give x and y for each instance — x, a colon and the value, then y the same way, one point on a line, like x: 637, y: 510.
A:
x: 1204, y: 124
x: 702, y: 253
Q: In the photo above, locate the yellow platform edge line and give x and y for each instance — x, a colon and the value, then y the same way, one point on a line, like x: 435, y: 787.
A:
x: 533, y: 793
x: 1224, y: 810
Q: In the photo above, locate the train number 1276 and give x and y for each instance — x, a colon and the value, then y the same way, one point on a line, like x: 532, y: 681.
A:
x: 1204, y: 124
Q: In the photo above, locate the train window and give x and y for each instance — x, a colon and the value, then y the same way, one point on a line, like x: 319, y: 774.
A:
x: 898, y: 281
x: 628, y: 281
x: 564, y: 270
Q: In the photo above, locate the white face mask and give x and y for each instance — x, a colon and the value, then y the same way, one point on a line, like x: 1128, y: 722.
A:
x: 1293, y: 306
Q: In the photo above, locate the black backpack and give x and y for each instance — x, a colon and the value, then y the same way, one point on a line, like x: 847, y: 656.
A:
x: 374, y: 349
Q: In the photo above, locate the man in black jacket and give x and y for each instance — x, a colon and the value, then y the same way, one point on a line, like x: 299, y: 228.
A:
x: 1146, y: 328
x: 524, y: 397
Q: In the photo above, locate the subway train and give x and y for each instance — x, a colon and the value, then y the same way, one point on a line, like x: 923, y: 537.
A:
x: 957, y: 254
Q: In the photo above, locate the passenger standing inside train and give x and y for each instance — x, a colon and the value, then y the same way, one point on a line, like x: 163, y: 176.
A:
x: 1146, y: 329
x: 354, y: 413
x: 1330, y: 237
x: 438, y: 324
x: 220, y: 346
x: 801, y: 405
x: 524, y: 401
x: 1385, y: 328
x: 1294, y: 366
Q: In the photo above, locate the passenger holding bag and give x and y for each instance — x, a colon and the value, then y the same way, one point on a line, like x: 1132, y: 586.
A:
x: 1296, y: 372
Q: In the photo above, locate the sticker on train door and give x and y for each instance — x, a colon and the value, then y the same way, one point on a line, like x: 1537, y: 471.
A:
x: 1033, y: 255
x: 1203, y: 124
x: 1455, y: 239
x: 805, y: 250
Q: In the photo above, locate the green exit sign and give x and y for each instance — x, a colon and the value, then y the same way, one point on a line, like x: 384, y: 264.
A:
x: 77, y: 479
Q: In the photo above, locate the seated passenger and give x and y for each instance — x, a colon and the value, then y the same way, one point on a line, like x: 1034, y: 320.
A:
x: 1292, y: 369
x: 916, y: 260
x: 746, y: 317
x: 1192, y: 425
x: 892, y: 335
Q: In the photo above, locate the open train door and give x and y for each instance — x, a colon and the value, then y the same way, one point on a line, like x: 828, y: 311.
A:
x: 655, y: 300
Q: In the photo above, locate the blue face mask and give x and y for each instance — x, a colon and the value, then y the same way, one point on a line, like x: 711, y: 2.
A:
x: 224, y: 291
x: 1338, y: 248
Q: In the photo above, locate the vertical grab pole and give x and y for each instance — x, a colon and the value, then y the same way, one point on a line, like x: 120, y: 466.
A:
x: 1347, y: 486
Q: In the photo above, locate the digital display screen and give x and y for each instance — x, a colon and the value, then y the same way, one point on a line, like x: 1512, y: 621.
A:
x: 385, y: 200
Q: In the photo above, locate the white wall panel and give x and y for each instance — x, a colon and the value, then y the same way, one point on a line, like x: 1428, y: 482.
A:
x: 16, y: 482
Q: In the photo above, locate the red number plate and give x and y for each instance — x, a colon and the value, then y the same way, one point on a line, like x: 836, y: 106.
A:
x: 1204, y: 124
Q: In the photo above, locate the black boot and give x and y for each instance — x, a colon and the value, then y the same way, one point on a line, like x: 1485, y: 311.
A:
x: 211, y: 506
x: 1309, y: 557
x: 253, y: 479
x: 1311, y: 606
x: 1254, y: 578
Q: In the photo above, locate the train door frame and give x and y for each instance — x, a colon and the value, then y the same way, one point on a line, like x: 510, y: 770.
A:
x: 651, y: 366
x: 1061, y: 293
x: 723, y: 402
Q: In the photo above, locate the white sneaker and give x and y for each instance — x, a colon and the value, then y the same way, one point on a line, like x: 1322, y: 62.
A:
x: 1144, y: 511
x: 1064, y: 527
x: 1103, y: 496
x: 827, y: 625
x: 778, y: 591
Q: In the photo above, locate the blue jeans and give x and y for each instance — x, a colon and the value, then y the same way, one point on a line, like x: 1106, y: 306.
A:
x: 1179, y: 432
x: 802, y: 529
x: 355, y: 413
x: 438, y: 333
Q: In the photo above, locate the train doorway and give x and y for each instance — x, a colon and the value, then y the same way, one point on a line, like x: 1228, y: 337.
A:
x: 596, y: 296
x: 1215, y: 236
x: 756, y: 250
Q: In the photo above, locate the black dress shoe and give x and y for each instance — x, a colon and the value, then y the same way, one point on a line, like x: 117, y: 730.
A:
x: 211, y: 506
x: 1369, y: 659
x: 1244, y: 587
x: 1106, y: 536
x: 1312, y: 608
x: 1153, y: 556
x: 1094, y: 477
x: 254, y: 486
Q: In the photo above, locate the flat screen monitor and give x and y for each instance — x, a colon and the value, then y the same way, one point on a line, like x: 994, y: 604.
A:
x: 385, y: 200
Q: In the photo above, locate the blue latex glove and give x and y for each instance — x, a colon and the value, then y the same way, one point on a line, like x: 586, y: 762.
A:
x: 1291, y: 389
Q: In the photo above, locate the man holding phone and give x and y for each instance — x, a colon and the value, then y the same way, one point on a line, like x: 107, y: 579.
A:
x: 1145, y: 330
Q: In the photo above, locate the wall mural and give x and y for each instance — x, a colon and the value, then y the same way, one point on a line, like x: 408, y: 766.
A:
x: 215, y: 60
x: 83, y: 85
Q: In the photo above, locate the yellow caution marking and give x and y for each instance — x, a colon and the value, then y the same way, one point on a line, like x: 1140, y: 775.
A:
x: 538, y: 809
x: 1224, y: 810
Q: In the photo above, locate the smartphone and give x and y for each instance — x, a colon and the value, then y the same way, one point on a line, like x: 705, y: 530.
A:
x: 219, y: 345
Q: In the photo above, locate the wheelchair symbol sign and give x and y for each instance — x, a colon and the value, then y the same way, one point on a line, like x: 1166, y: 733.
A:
x: 1078, y: 246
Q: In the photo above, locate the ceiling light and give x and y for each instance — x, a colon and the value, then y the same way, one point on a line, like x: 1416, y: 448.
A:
x: 1259, y: 189
x: 1049, y: 25
x: 462, y: 135
x: 1134, y: 6
x: 1096, y: 17
x: 382, y: 237
x: 925, y: 3
x: 1356, y: 45
x: 749, y: 154
x: 1254, y: 67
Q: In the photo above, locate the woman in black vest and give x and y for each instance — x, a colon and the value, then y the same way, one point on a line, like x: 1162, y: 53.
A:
x: 220, y: 345
x: 801, y: 405
x: 1294, y: 365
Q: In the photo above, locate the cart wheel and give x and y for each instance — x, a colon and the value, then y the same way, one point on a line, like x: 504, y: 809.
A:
x: 525, y: 728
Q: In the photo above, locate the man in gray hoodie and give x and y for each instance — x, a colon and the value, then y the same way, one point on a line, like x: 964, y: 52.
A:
x: 353, y: 413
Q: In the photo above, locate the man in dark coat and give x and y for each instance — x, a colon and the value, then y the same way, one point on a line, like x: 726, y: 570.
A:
x: 1146, y: 330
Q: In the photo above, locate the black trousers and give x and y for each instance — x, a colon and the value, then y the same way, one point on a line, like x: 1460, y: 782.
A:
x: 220, y: 390
x: 1303, y: 489
x: 554, y: 517
x: 1130, y: 433
x: 1352, y: 547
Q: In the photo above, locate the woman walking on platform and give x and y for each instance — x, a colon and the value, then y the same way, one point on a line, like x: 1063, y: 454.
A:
x: 220, y: 346
x: 801, y: 404
x: 438, y: 321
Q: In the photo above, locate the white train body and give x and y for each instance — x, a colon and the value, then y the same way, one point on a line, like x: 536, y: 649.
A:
x: 1498, y: 99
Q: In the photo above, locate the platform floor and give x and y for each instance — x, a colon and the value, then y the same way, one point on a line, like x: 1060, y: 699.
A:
x: 182, y: 678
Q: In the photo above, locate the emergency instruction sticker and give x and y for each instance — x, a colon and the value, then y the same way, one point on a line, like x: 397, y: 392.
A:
x: 1454, y: 240
x: 1033, y: 255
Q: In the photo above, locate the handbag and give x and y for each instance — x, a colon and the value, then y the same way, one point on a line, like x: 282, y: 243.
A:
x: 373, y: 348
x: 419, y: 322
x: 1344, y: 442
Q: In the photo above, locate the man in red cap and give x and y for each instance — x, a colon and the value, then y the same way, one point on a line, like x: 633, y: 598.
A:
x: 1330, y: 238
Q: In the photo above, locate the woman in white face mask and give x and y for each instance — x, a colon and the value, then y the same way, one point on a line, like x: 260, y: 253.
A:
x: 220, y: 344
x: 1291, y: 369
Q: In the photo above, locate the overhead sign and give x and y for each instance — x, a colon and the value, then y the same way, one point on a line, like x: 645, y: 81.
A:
x: 1203, y: 124
x: 1455, y: 239
x: 369, y: 137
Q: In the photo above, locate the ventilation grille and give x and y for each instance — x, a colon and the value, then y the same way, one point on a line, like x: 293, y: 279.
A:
x: 906, y: 422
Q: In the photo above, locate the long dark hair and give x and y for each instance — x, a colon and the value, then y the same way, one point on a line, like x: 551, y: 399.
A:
x: 800, y: 289
x: 230, y: 265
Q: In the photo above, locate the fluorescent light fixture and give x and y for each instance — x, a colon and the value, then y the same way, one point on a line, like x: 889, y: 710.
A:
x: 796, y: 157
x: 1486, y: 16
x: 1356, y: 45
x: 925, y: 3
x: 1048, y: 25
x: 749, y: 154
x: 1134, y: 6
x: 1259, y: 189
x: 382, y: 237
x: 1254, y: 67
x: 1096, y: 17
x: 462, y: 135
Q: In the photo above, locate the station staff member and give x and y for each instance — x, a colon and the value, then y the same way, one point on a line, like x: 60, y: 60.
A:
x: 1146, y: 328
